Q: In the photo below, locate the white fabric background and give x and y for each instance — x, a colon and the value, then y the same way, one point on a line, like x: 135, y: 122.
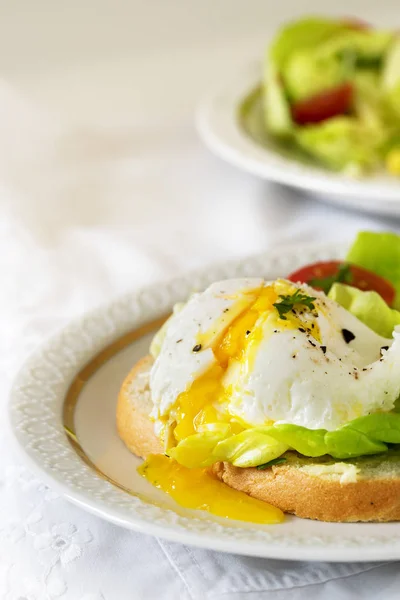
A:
x: 104, y: 186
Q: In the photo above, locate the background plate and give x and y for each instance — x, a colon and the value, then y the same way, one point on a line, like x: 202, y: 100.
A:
x: 219, y: 126
x: 36, y: 413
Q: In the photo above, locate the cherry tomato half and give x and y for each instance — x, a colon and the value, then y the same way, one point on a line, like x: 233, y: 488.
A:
x: 324, y: 105
x: 322, y: 275
x: 356, y: 23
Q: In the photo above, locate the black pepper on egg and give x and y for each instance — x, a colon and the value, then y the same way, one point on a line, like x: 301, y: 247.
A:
x: 348, y: 336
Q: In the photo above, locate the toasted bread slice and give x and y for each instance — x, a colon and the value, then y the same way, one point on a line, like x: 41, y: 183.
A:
x: 362, y: 489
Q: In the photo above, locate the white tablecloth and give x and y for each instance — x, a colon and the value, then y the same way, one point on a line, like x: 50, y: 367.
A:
x: 105, y: 186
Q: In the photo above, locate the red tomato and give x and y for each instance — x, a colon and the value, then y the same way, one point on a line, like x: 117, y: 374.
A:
x: 356, y: 23
x: 359, y: 278
x: 325, y: 105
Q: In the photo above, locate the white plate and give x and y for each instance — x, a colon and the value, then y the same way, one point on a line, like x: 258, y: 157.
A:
x: 219, y: 125
x: 68, y: 370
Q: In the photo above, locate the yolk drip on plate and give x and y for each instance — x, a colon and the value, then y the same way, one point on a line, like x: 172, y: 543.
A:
x: 198, y: 489
x: 238, y: 343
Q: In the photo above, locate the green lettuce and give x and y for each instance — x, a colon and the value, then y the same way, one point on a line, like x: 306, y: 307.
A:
x: 307, y: 74
x: 349, y: 443
x: 379, y: 253
x: 392, y: 100
x: 309, y: 442
x: 366, y: 47
x: 276, y: 108
x: 342, y: 142
x: 373, y: 108
x: 391, y: 69
x: 249, y: 448
x: 301, y: 35
x: 368, y: 307
x: 196, y: 450
x: 345, y: 442
x: 382, y: 426
x: 259, y: 445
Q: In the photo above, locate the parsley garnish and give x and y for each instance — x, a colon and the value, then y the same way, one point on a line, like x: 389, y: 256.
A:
x: 343, y: 275
x: 274, y: 461
x: 287, y: 303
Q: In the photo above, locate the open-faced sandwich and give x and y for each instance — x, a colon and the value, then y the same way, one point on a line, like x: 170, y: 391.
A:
x: 265, y: 396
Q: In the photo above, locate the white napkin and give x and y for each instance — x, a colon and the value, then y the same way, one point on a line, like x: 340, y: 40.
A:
x: 85, y: 215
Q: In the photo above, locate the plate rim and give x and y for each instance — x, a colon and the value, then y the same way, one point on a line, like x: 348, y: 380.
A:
x: 219, y: 128
x: 206, y: 533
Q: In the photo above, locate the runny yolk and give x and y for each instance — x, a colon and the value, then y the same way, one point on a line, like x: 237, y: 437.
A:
x: 195, y: 406
x: 238, y: 343
x: 199, y: 489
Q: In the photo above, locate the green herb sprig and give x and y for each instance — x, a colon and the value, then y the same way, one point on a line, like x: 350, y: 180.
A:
x: 288, y: 302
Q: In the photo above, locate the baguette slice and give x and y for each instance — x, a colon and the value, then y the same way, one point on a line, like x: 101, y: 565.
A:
x: 363, y: 489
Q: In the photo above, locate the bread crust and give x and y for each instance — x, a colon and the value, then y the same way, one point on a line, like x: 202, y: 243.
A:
x: 133, y: 407
x: 313, y: 497
x: 285, y: 486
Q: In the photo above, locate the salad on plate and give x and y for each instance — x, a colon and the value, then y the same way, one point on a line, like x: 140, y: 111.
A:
x: 331, y: 95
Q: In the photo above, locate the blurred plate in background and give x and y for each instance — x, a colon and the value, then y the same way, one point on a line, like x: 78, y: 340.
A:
x: 227, y: 123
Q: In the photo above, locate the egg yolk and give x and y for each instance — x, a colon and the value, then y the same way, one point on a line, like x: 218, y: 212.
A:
x: 237, y: 343
x: 199, y: 489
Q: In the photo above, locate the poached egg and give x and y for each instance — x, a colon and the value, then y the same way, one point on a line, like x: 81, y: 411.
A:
x: 231, y: 356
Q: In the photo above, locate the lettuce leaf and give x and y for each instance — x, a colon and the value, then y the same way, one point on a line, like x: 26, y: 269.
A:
x: 306, y: 74
x: 309, y: 442
x: 342, y: 143
x: 276, y: 108
x: 367, y: 47
x: 379, y: 253
x: 344, y: 442
x: 259, y: 445
x: 196, y: 450
x: 249, y: 448
x: 368, y: 307
x: 382, y: 426
x: 302, y: 34
x: 349, y: 443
